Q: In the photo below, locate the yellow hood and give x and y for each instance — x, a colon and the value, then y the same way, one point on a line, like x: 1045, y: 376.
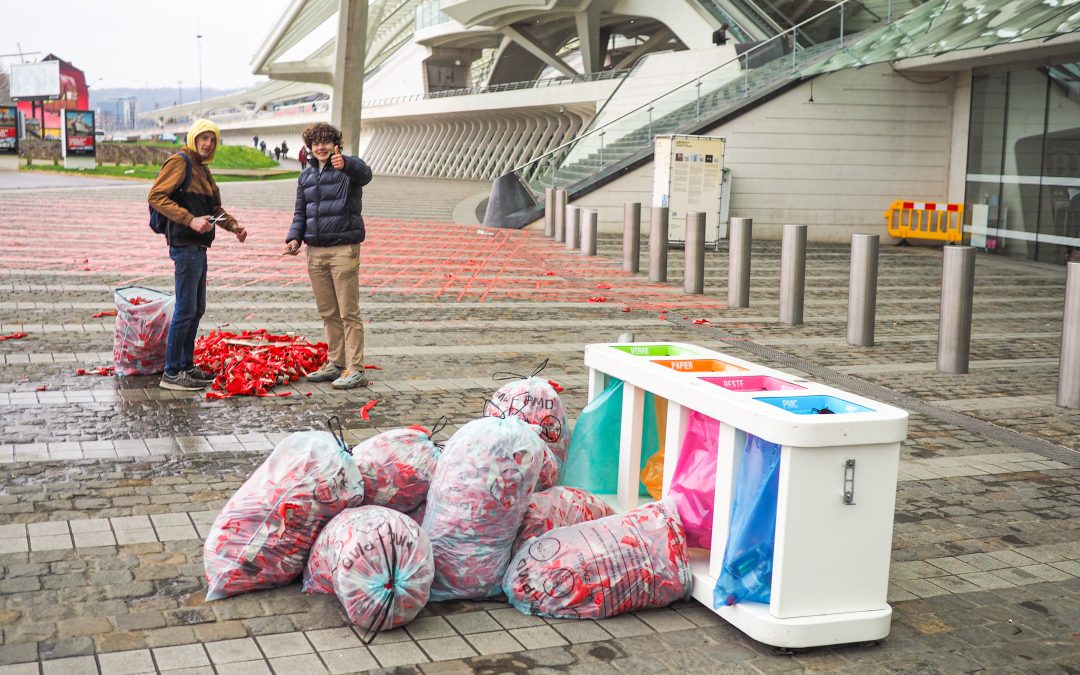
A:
x: 200, y: 126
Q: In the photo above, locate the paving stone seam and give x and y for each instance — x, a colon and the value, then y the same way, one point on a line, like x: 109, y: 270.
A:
x: 1045, y: 448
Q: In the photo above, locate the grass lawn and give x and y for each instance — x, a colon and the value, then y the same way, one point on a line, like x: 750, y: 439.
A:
x: 146, y: 172
x: 226, y: 157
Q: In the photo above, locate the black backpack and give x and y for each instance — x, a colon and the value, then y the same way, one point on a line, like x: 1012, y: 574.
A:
x: 158, y: 222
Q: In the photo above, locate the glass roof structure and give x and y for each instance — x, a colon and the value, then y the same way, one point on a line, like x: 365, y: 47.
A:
x: 951, y: 25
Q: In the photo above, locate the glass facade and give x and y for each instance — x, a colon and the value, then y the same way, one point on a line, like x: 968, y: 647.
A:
x: 1024, y: 161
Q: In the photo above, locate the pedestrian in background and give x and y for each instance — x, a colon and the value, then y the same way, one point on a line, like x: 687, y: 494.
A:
x: 277, y: 153
x: 302, y: 157
x: 284, y: 150
x: 329, y: 201
x: 262, y: 147
x: 194, y: 214
x: 256, y: 139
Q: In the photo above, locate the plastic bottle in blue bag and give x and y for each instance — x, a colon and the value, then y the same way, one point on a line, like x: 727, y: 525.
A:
x: 746, y: 575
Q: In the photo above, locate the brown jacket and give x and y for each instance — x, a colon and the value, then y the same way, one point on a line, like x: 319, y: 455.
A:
x: 202, y: 198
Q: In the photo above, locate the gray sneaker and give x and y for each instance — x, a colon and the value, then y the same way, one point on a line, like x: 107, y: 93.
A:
x: 350, y: 379
x: 201, y: 375
x: 328, y: 372
x: 182, y: 381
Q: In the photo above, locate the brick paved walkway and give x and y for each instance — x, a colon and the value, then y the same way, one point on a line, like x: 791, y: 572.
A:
x: 110, y: 484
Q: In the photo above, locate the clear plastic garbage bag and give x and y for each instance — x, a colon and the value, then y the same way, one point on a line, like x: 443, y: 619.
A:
x: 536, y: 401
x: 262, y: 536
x: 621, y: 563
x: 479, y: 492
x: 558, y: 507
x: 143, y: 316
x: 379, y: 564
x: 397, y: 466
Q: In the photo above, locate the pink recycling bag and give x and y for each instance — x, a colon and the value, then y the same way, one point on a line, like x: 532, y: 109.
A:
x: 693, y: 485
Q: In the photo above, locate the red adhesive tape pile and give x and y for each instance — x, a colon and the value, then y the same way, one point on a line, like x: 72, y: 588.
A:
x: 378, y: 562
x: 251, y: 363
x: 262, y: 536
x: 397, y: 466
x: 558, y: 507
x: 143, y: 316
x: 598, y: 569
x: 478, y: 495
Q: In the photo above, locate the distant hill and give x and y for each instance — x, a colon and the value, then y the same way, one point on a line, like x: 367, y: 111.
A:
x: 149, y: 99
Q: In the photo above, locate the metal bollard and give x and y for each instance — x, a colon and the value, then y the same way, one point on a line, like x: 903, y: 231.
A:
x: 658, y: 238
x: 631, y: 238
x: 1069, y: 368
x: 560, y: 215
x: 573, y: 221
x: 957, y: 287
x: 694, y: 275
x: 588, y: 232
x: 792, y: 274
x: 549, y: 212
x: 862, y: 290
x: 739, y: 235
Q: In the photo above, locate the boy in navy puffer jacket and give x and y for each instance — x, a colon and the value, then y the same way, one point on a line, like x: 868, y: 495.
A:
x: 327, y: 218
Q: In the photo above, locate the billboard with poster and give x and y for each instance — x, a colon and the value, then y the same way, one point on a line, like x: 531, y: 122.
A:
x: 35, y: 80
x: 9, y: 130
x: 69, y: 92
x: 79, y: 133
x: 688, y: 175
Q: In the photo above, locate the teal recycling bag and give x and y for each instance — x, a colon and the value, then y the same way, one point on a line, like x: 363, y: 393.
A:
x: 592, y: 461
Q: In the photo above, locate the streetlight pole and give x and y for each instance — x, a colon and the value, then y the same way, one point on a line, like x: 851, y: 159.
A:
x: 198, y: 40
x: 179, y: 92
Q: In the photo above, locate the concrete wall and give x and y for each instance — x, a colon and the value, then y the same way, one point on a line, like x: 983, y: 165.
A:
x: 868, y: 137
x: 657, y: 74
x: 400, y: 75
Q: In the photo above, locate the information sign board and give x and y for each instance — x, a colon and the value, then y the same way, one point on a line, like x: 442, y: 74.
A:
x: 688, y: 177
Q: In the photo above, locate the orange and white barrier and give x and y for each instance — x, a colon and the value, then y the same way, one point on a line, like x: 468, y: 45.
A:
x: 926, y: 220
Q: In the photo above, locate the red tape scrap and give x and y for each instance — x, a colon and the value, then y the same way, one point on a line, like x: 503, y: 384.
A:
x: 104, y: 371
x: 104, y: 312
x: 251, y: 363
x: 12, y: 336
x: 366, y: 409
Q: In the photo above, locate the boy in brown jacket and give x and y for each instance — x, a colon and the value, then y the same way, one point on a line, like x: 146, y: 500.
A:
x: 194, y: 212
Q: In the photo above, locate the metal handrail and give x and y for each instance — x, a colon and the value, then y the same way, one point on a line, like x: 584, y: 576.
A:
x: 506, y: 86
x: 644, y: 106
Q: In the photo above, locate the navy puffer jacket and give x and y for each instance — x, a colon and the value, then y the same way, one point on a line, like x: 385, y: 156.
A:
x: 328, y: 204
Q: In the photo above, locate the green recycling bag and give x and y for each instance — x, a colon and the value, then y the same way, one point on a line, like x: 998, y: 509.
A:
x: 592, y: 461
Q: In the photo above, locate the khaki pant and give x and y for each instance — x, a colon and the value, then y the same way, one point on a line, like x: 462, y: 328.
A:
x: 335, y: 280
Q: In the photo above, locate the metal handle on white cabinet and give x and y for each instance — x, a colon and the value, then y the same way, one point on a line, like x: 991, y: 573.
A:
x: 849, y: 482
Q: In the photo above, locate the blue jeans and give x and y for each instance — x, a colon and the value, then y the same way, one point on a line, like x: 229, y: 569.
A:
x: 190, y: 305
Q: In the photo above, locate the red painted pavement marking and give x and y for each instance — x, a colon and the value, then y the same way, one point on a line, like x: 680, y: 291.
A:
x: 88, y: 237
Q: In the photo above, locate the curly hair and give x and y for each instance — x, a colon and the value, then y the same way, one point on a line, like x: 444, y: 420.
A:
x: 320, y: 132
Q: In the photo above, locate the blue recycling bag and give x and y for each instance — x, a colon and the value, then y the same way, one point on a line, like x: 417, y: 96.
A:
x: 748, y: 557
x: 592, y: 461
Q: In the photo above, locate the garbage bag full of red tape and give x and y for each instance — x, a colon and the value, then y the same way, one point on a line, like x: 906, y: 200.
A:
x: 479, y: 492
x: 602, y: 568
x: 397, y: 466
x: 558, y: 507
x: 378, y: 561
x: 262, y: 536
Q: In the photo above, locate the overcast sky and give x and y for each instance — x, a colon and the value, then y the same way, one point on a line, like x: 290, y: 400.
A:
x: 143, y: 43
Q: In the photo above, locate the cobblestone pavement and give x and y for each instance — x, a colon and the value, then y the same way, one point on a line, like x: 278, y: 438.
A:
x: 110, y: 484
